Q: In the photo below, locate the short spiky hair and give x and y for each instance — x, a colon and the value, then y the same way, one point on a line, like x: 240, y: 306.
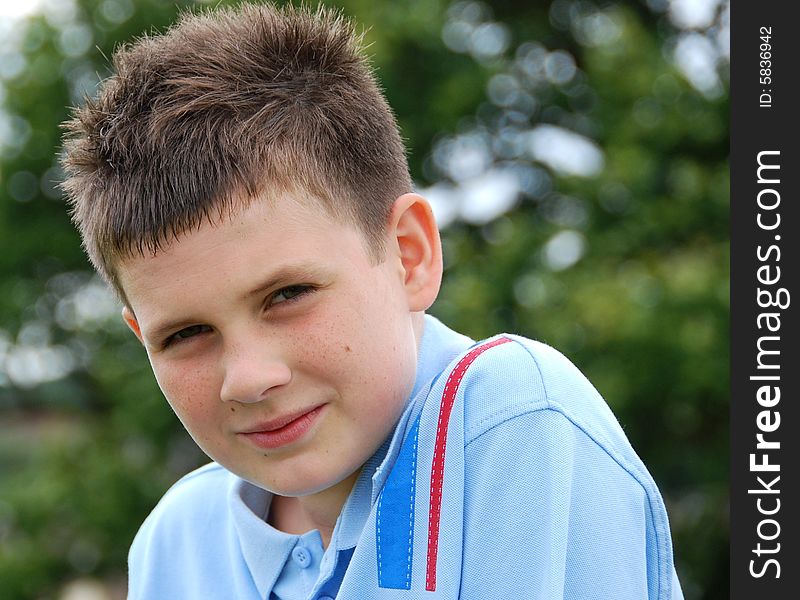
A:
x: 227, y: 105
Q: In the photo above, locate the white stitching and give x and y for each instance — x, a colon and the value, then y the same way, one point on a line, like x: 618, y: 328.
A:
x: 411, y: 509
x: 378, y: 534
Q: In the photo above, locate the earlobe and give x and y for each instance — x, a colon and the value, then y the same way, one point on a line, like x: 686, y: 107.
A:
x: 420, y: 249
x: 131, y: 322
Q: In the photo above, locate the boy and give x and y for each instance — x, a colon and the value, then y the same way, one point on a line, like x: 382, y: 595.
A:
x: 242, y: 185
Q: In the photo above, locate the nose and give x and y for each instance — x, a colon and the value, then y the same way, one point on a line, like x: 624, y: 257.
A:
x: 251, y: 371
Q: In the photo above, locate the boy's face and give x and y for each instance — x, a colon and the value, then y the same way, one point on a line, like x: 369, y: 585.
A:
x: 286, y: 353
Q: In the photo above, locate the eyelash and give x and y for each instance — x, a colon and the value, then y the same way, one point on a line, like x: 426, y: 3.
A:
x: 301, y: 290
x: 176, y: 337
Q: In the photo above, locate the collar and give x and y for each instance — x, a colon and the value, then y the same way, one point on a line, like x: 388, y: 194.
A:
x: 264, y: 548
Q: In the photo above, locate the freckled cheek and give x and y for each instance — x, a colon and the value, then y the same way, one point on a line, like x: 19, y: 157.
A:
x: 323, y: 343
x: 353, y: 347
x: 192, y: 394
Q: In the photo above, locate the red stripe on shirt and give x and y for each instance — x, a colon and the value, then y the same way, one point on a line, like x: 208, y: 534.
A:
x: 437, y: 468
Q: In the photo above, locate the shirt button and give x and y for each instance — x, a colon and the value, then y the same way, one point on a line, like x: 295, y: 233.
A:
x: 301, y: 556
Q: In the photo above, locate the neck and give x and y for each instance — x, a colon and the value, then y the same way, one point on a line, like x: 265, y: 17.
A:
x: 298, y: 515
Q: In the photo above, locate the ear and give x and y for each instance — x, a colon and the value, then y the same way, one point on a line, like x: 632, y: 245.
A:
x: 130, y: 321
x: 413, y: 228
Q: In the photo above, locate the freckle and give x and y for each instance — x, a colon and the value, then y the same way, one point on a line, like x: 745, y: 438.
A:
x: 233, y: 409
x: 347, y: 348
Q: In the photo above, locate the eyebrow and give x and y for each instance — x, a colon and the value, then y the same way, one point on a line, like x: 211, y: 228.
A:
x: 283, y: 276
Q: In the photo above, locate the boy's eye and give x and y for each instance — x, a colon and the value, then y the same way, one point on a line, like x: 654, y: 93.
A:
x: 186, y: 333
x: 289, y: 293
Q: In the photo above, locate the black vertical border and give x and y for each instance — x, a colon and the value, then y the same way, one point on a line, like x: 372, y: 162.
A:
x: 754, y: 129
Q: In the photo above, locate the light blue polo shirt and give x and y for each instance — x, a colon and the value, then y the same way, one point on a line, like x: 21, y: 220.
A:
x: 507, y: 476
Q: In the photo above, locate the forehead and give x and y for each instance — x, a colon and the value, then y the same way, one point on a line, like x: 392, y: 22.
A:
x: 256, y: 239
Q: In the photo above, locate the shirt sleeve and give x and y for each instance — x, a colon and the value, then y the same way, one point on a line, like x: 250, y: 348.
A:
x: 551, y: 512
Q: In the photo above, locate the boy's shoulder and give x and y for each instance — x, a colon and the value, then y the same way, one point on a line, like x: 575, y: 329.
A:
x: 203, y: 480
x: 519, y: 378
x: 514, y: 374
x: 188, y: 504
x: 188, y: 545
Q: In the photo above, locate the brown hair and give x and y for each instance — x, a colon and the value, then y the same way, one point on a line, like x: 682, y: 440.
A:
x: 225, y: 106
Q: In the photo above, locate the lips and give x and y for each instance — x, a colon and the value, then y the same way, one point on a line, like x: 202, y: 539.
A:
x: 284, y: 429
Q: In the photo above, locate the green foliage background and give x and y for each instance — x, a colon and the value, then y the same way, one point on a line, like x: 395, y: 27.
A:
x: 87, y: 443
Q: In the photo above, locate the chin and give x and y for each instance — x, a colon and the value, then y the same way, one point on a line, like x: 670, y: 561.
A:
x: 294, y: 488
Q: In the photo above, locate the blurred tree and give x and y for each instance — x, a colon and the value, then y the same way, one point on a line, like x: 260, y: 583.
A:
x: 580, y: 168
